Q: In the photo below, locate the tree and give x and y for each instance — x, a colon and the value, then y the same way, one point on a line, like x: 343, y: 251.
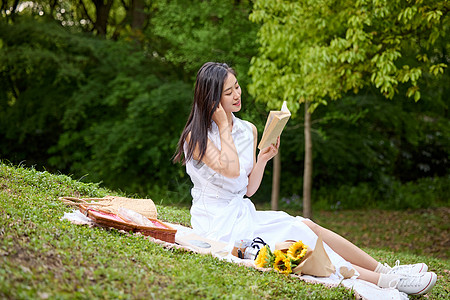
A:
x: 195, y: 32
x: 105, y: 18
x: 110, y: 108
x: 41, y: 66
x: 276, y: 181
x: 316, y: 51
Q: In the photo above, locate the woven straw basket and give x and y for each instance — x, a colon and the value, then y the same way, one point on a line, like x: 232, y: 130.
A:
x: 111, y: 204
x: 104, y: 212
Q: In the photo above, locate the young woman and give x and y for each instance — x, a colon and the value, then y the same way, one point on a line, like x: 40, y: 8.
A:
x: 219, y: 151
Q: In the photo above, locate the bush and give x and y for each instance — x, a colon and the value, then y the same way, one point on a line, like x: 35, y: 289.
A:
x: 391, y: 194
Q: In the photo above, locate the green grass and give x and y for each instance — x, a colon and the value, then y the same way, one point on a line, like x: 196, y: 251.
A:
x: 43, y: 257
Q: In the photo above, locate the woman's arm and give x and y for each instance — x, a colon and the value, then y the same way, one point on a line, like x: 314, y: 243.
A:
x: 224, y: 161
x: 266, y: 154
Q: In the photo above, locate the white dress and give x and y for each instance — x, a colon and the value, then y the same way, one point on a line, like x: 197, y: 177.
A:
x: 220, y: 211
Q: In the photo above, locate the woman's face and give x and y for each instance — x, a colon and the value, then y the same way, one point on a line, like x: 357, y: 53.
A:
x: 231, y: 94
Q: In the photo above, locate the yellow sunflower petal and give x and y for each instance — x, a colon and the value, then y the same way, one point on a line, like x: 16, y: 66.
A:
x: 297, y: 251
x: 282, y: 263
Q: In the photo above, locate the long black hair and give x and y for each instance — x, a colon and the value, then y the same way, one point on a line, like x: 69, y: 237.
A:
x: 207, y: 94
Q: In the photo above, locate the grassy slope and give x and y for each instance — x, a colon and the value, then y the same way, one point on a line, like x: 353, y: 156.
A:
x: 44, y: 257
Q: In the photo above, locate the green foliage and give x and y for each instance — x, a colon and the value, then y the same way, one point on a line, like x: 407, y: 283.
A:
x: 134, y: 126
x: 109, y: 19
x: 389, y: 194
x: 117, y: 116
x: 199, y: 31
x: 87, y: 102
x: 111, y: 109
x: 40, y: 67
x: 360, y: 145
x: 388, y: 144
x: 321, y: 50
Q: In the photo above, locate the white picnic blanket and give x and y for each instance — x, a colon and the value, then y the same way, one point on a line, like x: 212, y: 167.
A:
x: 362, y: 289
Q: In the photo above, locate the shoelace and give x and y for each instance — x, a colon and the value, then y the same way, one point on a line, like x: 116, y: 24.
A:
x: 397, y: 264
x: 410, y: 280
x: 397, y: 267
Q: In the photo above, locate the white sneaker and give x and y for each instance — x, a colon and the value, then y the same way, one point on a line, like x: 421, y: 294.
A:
x: 408, y: 269
x: 415, y: 284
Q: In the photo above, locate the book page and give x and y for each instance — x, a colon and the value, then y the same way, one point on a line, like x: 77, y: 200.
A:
x: 269, y: 119
x: 284, y: 108
x: 275, y: 124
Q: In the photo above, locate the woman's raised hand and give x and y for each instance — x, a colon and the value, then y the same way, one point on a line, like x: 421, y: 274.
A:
x: 268, y: 153
x: 220, y: 116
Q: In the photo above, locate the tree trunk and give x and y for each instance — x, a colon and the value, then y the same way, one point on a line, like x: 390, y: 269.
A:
x: 138, y: 16
x: 307, y: 172
x: 13, y: 8
x: 276, y: 181
x: 53, y: 4
x: 102, y: 13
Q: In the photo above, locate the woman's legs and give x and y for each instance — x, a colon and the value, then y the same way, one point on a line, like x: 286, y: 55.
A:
x: 367, y: 275
x: 410, y: 283
x: 344, y: 248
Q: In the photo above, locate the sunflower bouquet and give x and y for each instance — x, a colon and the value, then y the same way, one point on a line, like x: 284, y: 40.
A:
x: 296, y: 257
x: 265, y: 258
x: 284, y: 260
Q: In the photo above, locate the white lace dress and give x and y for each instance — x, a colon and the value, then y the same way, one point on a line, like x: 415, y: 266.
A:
x: 221, y: 212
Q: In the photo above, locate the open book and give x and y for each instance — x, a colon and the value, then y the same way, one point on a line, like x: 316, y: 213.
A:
x: 274, y: 126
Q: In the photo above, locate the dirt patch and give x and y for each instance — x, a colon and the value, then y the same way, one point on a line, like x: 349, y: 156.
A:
x: 4, y: 187
x: 30, y: 260
x: 42, y: 261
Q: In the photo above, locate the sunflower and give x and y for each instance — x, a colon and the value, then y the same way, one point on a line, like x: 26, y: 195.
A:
x: 297, y: 251
x: 264, y: 258
x: 282, y: 263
